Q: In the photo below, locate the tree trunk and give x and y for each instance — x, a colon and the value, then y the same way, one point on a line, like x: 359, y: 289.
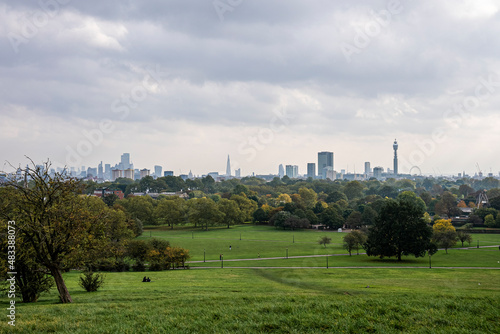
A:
x: 61, y: 286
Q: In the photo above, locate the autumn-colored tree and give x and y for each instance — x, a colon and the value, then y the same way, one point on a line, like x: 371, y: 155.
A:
x: 444, y: 234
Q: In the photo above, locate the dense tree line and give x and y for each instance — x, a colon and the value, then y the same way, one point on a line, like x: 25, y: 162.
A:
x: 289, y: 203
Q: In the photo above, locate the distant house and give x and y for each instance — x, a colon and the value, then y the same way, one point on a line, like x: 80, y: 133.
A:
x: 105, y: 192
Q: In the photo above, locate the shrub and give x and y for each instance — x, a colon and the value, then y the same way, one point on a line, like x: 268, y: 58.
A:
x: 139, y: 266
x: 91, y: 281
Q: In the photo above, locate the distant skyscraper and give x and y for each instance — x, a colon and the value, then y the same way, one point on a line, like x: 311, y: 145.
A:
x: 125, y: 161
x: 238, y: 173
x: 311, y: 170
x: 368, y: 170
x: 395, y: 147
x: 168, y: 173
x: 377, y: 172
x: 144, y: 172
x: 107, y: 171
x: 325, y: 159
x: 228, y: 166
x: 281, y: 171
x: 100, y: 171
x: 158, y: 170
x: 292, y: 171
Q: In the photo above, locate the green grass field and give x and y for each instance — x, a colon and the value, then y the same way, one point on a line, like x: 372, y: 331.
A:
x: 282, y: 300
x: 274, y: 300
x: 266, y: 241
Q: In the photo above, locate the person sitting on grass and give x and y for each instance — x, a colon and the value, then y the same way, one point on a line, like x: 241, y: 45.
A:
x: 144, y: 279
x: 148, y: 280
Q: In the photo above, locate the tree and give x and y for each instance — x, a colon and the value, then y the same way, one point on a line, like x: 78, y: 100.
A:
x: 54, y: 220
x: 411, y: 196
x: 354, y: 220
x: 279, y: 218
x: 447, y: 205
x: 464, y: 236
x: 203, y: 212
x: 444, y: 234
x: 353, y: 189
x: 335, y: 196
x: 445, y: 238
x: 399, y: 230
x: 332, y: 218
x: 324, y: 241
x: 260, y: 216
x: 489, y: 221
x: 231, y: 212
x: 309, y: 197
x: 110, y: 199
x: 247, y: 206
x: 140, y: 207
x: 171, y: 211
x: 354, y: 240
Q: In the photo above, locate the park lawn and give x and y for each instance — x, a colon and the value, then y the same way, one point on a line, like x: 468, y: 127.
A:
x: 273, y: 300
x: 258, y: 240
x: 482, y: 257
x: 264, y: 241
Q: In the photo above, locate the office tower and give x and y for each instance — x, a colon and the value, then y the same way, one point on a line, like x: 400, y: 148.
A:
x: 325, y: 159
x: 125, y: 161
x: 100, y: 171
x: 367, y: 168
x: 107, y: 171
x: 228, y: 167
x: 238, y: 173
x: 158, y: 170
x: 292, y: 171
x: 168, y: 173
x: 311, y: 170
x: 377, y: 172
x: 329, y: 173
x: 395, y: 147
x: 281, y: 171
x: 144, y: 172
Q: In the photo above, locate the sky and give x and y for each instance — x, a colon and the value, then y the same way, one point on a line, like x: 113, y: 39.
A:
x: 184, y: 84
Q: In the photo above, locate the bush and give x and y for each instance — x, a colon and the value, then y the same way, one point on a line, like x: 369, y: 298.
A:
x: 139, y: 266
x: 91, y: 281
x: 156, y: 266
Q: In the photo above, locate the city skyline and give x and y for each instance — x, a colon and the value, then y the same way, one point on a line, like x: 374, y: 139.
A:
x: 182, y: 85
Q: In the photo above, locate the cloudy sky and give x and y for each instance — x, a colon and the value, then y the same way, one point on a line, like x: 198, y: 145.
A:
x: 183, y: 84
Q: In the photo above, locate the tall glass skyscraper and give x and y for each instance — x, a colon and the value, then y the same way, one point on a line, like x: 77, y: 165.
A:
x: 325, y: 159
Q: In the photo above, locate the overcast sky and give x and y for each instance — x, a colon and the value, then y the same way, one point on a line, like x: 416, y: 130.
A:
x: 182, y: 84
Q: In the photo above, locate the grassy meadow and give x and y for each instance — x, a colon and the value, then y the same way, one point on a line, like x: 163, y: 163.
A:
x: 280, y: 300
